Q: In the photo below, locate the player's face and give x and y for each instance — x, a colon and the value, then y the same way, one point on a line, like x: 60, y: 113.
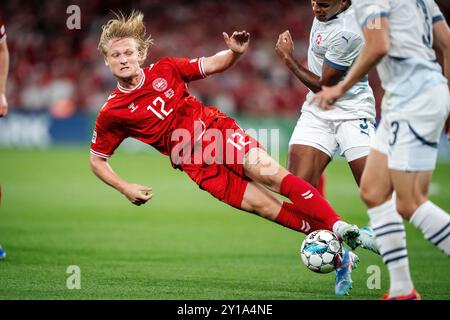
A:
x: 324, y: 10
x: 123, y: 58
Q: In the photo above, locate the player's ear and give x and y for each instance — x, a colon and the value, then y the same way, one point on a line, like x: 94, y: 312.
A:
x: 141, y: 57
x: 106, y: 62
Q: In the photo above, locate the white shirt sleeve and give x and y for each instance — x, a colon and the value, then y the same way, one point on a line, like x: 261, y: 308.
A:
x: 343, y: 50
x: 436, y: 13
x: 367, y: 10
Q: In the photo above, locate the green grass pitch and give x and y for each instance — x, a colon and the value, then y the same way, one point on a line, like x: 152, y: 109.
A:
x: 184, y: 244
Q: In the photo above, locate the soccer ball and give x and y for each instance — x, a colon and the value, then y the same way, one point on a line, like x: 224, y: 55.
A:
x: 321, y: 251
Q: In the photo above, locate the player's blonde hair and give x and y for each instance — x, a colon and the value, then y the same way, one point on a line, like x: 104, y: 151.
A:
x: 126, y: 27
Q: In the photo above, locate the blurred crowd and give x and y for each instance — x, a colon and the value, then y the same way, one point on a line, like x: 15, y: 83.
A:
x: 60, y: 70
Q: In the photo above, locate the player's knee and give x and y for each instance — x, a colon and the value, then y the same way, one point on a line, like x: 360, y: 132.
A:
x: 304, y: 173
x: 371, y: 196
x: 266, y: 209
x: 407, y: 207
x: 295, y: 169
x: 273, y: 180
x: 367, y: 195
x: 406, y: 210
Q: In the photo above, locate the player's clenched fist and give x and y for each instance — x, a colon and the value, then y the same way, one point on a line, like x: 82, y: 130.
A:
x: 137, y: 194
x: 238, y: 42
x: 285, y: 45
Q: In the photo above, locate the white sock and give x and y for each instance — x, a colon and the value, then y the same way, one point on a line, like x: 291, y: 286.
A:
x: 390, y: 232
x: 434, y: 224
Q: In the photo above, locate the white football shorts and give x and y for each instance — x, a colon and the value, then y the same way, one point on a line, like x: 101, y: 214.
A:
x: 409, y: 134
x: 352, y: 137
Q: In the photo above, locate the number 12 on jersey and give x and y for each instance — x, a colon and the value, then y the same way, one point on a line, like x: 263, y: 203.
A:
x: 160, y: 103
x: 240, y: 143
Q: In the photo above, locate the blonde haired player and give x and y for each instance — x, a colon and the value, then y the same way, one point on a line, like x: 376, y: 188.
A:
x: 401, y: 36
x: 153, y: 104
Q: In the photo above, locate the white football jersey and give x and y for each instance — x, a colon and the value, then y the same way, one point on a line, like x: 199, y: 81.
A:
x: 410, y: 68
x: 338, y: 43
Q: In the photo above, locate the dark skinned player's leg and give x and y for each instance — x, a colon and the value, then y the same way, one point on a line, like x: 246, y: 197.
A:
x: 308, y: 163
x: 321, y: 187
x: 357, y: 167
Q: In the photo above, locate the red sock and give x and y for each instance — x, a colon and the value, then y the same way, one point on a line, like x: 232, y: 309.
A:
x: 293, y: 219
x: 308, y: 200
x: 321, y: 185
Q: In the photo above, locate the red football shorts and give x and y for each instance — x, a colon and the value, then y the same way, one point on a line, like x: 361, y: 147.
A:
x: 216, y: 164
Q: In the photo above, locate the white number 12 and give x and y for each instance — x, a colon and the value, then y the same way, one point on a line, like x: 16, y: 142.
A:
x: 240, y: 143
x: 162, y: 114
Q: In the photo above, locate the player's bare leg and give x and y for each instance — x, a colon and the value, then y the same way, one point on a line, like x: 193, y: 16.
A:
x: 262, y: 168
x: 376, y: 191
x: 258, y: 199
x: 307, y: 163
x: 376, y: 186
x: 357, y: 166
x: 411, y: 189
x: 321, y: 187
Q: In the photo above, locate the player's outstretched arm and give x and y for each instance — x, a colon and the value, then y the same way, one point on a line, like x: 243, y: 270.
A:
x: 285, y: 50
x: 137, y: 194
x: 223, y: 60
x: 4, y: 66
x: 377, y: 45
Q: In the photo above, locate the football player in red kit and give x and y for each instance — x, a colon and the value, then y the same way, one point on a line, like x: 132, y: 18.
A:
x: 152, y: 104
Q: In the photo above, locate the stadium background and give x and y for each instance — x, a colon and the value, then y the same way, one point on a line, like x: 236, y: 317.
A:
x: 183, y: 244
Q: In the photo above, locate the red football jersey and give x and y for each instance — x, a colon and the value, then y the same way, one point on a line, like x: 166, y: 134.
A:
x: 150, y: 112
x: 2, y: 31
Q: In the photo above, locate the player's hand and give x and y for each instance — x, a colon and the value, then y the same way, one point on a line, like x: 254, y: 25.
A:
x: 238, y: 42
x: 285, y: 45
x: 326, y: 98
x: 447, y: 127
x: 3, y: 105
x: 138, y: 194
